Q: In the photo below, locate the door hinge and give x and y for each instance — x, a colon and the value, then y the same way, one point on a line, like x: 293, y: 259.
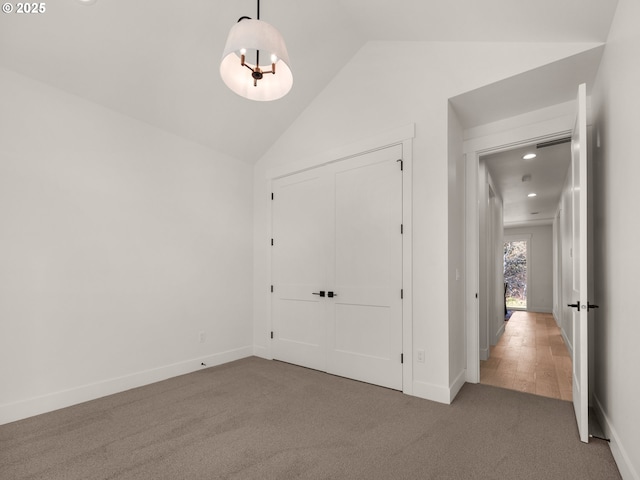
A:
x: 401, y: 164
x: 271, y: 195
x: 401, y: 293
x: 271, y: 288
x: 272, y: 242
x: 402, y: 358
x: 401, y: 229
x: 271, y: 334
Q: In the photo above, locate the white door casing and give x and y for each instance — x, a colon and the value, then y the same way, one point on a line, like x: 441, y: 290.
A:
x: 538, y: 130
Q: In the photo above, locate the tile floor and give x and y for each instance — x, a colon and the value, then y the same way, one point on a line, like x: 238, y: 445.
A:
x: 531, y: 357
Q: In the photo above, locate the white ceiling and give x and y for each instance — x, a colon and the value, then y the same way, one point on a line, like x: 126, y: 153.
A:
x: 547, y: 173
x: 157, y: 60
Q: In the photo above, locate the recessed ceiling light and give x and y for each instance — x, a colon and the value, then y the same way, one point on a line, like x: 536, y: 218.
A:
x: 87, y: 2
x: 532, y: 195
x: 529, y: 156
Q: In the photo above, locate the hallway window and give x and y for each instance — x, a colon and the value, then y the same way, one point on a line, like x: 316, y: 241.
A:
x: 515, y: 274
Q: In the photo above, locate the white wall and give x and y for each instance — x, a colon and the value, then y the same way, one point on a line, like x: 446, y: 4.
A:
x: 413, y: 87
x: 565, y: 318
x: 490, y: 262
x: 120, y: 244
x: 540, y: 287
x: 483, y: 259
x: 557, y: 265
x: 495, y: 277
x: 616, y: 102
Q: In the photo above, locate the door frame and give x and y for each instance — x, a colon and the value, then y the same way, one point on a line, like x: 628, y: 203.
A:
x: 522, y: 237
x: 474, y: 148
x: 400, y: 136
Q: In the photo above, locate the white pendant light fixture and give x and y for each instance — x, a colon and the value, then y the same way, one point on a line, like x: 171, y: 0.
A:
x: 255, y: 62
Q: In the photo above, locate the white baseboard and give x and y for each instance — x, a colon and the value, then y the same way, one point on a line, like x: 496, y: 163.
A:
x: 428, y: 391
x: 567, y: 343
x: 262, y: 352
x: 500, y: 332
x: 12, y: 412
x: 620, y: 455
x: 457, y: 384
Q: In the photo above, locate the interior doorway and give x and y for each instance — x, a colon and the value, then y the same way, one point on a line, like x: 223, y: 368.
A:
x: 477, y: 151
x: 516, y: 273
x: 525, y: 350
x: 523, y: 183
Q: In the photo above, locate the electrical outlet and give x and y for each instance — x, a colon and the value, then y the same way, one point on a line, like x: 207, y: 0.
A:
x: 420, y: 356
x: 202, y: 337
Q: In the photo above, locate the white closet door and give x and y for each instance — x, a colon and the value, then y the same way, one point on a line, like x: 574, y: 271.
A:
x: 337, y: 231
x: 299, y: 268
x: 364, y: 330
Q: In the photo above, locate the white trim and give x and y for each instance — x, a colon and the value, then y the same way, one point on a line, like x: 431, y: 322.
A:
x: 399, y: 136
x: 262, y: 352
x: 383, y: 140
x: 484, y: 354
x: 456, y: 385
x: 499, y: 332
x: 472, y: 247
x: 520, y: 237
x: 269, y: 273
x: 567, y: 342
x: 435, y: 393
x: 620, y: 455
x: 521, y: 136
x: 407, y: 266
x: 12, y: 412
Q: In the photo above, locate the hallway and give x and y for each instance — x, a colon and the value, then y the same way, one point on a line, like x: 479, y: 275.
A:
x: 530, y: 357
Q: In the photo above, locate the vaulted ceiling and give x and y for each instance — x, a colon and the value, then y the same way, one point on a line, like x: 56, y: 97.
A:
x: 157, y: 61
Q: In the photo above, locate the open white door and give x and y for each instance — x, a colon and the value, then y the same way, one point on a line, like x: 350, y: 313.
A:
x: 579, y: 202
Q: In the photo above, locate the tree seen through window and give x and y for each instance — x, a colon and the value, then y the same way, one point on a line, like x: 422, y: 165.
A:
x: 515, y: 273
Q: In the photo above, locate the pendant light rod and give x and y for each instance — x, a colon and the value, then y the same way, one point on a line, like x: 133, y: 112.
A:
x: 255, y: 80
x: 249, y: 18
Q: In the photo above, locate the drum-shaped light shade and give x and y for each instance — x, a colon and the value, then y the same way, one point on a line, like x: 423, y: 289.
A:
x: 250, y: 36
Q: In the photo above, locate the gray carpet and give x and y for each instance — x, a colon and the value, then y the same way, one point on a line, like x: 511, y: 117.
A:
x: 257, y: 419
